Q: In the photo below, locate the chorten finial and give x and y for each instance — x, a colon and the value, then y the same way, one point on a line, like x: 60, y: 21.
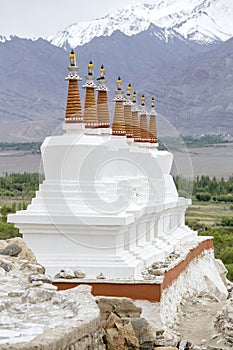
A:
x: 72, y: 58
x: 90, y: 76
x: 128, y: 113
x: 102, y: 100
x: 118, y: 126
x: 119, y: 91
x: 152, y: 124
x: 143, y: 104
x: 102, y: 80
x: 73, y: 104
x: 90, y: 108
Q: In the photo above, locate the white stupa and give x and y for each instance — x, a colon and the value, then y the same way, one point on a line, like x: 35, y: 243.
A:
x: 108, y: 203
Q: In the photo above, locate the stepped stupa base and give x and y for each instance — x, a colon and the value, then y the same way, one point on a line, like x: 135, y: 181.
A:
x: 151, y: 287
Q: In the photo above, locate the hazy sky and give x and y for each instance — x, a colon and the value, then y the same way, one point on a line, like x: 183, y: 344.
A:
x: 44, y: 17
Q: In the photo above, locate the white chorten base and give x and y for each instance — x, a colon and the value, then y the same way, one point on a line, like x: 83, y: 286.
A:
x: 105, y: 206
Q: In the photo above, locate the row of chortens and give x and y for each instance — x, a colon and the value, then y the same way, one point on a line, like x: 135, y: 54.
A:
x: 96, y: 115
x: 108, y: 215
x: 108, y: 205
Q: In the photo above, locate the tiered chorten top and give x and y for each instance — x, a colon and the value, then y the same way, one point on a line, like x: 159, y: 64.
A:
x: 118, y: 126
x: 73, y: 104
x: 152, y: 126
x: 102, y: 100
x: 143, y: 122
x: 96, y: 115
x: 135, y: 110
x: 90, y: 107
x: 128, y: 113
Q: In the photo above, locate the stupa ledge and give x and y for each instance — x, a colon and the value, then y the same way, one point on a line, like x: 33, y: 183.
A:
x: 73, y: 127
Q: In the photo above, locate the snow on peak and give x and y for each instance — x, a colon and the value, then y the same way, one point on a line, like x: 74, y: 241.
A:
x: 201, y: 20
x: 83, y: 32
x: 4, y: 38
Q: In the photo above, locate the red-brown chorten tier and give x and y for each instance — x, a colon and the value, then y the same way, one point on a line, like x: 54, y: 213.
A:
x: 128, y: 113
x: 152, y: 125
x: 143, y: 122
x: 136, y: 129
x: 73, y: 104
x: 118, y: 126
x: 102, y: 100
x: 90, y: 107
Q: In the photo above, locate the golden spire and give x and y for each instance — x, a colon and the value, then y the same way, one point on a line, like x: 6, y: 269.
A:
x: 102, y: 100
x: 73, y: 104
x: 90, y: 108
x: 118, y: 126
x: 128, y: 113
x: 143, y: 121
x: 152, y: 126
x: 136, y: 129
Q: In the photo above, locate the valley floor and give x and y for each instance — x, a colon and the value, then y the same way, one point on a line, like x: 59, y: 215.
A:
x: 197, y: 322
x: 213, y: 161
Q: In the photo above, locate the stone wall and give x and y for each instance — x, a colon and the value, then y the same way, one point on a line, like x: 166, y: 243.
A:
x: 87, y: 336
x: 84, y: 333
x: 204, y: 274
x: 34, y: 315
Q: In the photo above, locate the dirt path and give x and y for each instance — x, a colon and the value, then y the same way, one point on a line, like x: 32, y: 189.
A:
x: 196, y: 322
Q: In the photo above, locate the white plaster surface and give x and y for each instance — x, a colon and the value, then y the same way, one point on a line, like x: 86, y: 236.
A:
x: 105, y: 206
x: 202, y: 276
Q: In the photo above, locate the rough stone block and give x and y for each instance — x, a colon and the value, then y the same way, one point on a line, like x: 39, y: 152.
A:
x: 115, y: 339
x: 123, y: 307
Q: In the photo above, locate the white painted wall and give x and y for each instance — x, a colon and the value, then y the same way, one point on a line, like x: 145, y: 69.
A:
x: 105, y: 206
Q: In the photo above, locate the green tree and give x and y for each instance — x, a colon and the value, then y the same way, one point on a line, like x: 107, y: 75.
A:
x: 227, y: 255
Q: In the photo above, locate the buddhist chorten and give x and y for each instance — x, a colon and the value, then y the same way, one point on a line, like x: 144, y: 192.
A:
x: 73, y: 104
x: 118, y: 125
x: 128, y: 113
x: 102, y: 100
x: 152, y: 125
x: 108, y: 206
x: 90, y: 107
x: 143, y: 122
x: 135, y: 110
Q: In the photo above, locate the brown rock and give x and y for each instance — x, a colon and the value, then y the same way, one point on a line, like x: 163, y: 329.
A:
x: 123, y: 307
x: 113, y: 321
x: 115, y: 340
x: 144, y: 333
x: 26, y: 253
x: 130, y: 337
x: 32, y: 267
x: 124, y: 333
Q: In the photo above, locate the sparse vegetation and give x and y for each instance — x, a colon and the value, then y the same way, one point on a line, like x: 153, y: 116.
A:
x: 16, y: 191
x: 203, y: 188
x: 34, y: 147
x: 212, y: 213
x: 178, y: 143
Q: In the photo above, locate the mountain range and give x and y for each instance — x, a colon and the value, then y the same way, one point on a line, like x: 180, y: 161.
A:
x: 165, y: 49
x: 205, y: 21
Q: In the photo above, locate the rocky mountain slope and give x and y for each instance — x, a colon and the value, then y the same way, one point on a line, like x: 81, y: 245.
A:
x: 193, y: 85
x: 192, y: 82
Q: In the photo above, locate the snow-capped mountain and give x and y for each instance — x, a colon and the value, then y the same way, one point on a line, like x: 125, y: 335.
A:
x: 4, y: 38
x: 200, y: 20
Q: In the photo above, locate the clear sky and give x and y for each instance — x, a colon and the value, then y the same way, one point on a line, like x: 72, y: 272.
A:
x: 28, y: 18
